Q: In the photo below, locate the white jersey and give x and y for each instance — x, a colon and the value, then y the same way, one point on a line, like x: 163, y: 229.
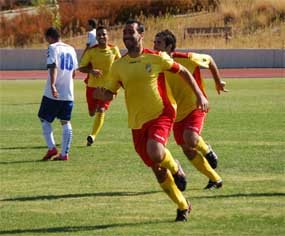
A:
x: 91, y: 38
x: 64, y: 58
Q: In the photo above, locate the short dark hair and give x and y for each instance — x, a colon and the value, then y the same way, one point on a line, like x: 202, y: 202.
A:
x: 168, y: 37
x: 140, y: 25
x: 53, y: 33
x: 92, y: 23
x: 101, y: 27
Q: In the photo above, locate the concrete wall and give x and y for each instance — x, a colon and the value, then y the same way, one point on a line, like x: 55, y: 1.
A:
x: 247, y: 58
x: 35, y: 59
x: 24, y: 59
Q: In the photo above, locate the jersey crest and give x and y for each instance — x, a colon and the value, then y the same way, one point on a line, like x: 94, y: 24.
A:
x: 148, y: 68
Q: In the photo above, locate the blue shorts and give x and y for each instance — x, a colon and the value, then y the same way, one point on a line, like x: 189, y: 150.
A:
x: 51, y: 109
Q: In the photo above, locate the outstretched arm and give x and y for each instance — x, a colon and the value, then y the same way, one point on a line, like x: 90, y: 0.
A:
x: 202, y: 102
x: 220, y: 84
x: 89, y: 70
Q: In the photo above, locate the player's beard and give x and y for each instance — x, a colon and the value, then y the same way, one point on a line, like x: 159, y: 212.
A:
x: 102, y: 43
x: 131, y: 44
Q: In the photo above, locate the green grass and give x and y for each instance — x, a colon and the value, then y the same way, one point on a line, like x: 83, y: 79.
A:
x: 106, y: 189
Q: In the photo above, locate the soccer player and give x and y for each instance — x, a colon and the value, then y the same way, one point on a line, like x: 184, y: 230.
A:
x: 91, y: 35
x: 57, y: 101
x: 189, y: 120
x: 96, y: 62
x: 150, y: 108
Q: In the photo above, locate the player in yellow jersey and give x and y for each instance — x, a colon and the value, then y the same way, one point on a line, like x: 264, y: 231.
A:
x: 96, y: 62
x: 189, y: 120
x: 151, y: 112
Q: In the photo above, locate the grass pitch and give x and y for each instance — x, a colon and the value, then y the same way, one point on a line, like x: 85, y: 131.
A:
x: 106, y: 190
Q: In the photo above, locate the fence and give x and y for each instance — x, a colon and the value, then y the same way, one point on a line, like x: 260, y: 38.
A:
x: 225, y: 32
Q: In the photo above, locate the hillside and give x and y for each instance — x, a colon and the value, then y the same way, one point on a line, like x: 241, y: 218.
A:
x: 272, y: 36
x: 253, y: 23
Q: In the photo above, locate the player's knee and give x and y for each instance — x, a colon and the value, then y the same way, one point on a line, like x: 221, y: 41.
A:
x: 155, y: 151
x: 189, y: 152
x: 190, y: 138
x: 100, y: 109
x: 156, y: 155
x: 64, y: 122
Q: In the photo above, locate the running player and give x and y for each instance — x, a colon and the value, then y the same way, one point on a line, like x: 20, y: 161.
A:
x: 150, y: 109
x: 189, y: 120
x: 96, y: 62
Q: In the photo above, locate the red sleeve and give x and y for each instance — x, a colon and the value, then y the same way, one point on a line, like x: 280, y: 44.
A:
x: 175, y: 68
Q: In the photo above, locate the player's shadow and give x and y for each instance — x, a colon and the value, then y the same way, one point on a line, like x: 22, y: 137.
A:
x: 81, y: 195
x: 18, y: 162
x: 21, y: 104
x: 23, y: 148
x: 236, y: 195
x: 74, y: 229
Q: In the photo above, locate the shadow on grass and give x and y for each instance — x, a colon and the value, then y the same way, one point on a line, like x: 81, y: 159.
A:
x: 20, y: 104
x: 25, y: 148
x: 101, y: 194
x: 245, y: 195
x: 127, y: 194
x: 18, y: 162
x: 81, y: 228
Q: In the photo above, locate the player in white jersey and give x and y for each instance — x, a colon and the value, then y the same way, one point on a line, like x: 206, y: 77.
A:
x: 57, y: 101
x: 91, y: 35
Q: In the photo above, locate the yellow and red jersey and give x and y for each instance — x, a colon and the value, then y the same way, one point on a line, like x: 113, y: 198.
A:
x: 147, y: 94
x: 101, y: 59
x: 181, y: 90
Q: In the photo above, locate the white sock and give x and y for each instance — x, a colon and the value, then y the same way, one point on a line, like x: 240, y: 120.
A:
x: 66, y: 138
x: 48, y: 134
